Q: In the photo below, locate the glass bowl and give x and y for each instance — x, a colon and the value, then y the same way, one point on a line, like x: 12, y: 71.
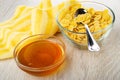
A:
x: 80, y: 38
x: 40, y: 58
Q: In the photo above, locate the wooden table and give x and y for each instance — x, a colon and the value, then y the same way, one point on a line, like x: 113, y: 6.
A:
x: 80, y: 64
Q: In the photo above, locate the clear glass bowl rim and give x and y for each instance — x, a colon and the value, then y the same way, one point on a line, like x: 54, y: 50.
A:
x: 38, y: 69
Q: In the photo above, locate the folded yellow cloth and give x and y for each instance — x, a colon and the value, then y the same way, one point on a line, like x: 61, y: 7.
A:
x: 27, y: 21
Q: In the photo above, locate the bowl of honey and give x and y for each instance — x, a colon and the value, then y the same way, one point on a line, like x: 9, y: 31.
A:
x: 40, y: 54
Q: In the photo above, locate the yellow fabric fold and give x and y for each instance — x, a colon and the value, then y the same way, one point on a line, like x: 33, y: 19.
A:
x: 27, y: 21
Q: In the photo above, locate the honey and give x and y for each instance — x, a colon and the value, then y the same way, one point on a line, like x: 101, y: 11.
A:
x: 41, y: 54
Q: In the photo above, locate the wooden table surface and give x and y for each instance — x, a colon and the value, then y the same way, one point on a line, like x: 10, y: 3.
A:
x: 80, y: 64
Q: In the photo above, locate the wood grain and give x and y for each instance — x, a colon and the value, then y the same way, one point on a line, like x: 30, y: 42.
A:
x: 80, y: 64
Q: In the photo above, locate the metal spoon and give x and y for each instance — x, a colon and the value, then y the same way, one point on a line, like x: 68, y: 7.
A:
x: 92, y: 44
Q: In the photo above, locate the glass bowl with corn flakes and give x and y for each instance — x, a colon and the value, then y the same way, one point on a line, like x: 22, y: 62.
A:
x: 97, y: 16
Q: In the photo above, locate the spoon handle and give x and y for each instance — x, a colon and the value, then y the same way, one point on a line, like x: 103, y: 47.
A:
x: 92, y: 44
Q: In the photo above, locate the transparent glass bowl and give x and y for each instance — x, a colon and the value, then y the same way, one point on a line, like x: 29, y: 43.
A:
x: 99, y: 35
x: 41, y: 70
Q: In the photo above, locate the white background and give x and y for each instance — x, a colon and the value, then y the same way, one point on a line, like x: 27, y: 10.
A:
x: 80, y: 64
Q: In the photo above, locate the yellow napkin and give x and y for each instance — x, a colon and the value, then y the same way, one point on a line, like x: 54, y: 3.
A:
x: 27, y: 21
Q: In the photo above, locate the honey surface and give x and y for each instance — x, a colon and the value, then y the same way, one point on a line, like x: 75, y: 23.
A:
x: 40, y: 54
